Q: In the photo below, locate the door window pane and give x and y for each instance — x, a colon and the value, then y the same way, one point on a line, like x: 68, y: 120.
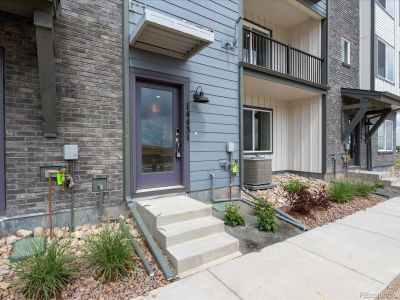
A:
x: 156, y: 130
x: 381, y: 59
x: 248, y: 129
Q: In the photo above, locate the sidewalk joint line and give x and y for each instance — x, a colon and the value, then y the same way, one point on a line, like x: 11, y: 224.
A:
x: 369, y: 231
x: 224, y: 284
x: 337, y: 263
x: 383, y: 213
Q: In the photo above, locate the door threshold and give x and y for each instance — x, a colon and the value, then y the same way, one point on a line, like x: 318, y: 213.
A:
x: 163, y: 188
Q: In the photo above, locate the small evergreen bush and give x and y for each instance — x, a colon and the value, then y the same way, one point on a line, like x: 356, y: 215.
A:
x: 110, y: 254
x: 45, y: 273
x: 232, y: 216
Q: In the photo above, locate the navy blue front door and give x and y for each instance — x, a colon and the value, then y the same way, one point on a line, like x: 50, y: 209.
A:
x: 2, y: 156
x: 158, y: 136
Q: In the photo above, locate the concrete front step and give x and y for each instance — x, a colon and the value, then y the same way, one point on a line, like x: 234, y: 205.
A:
x: 181, y: 232
x: 197, y: 252
x: 375, y: 177
x: 186, y: 230
x: 164, y: 211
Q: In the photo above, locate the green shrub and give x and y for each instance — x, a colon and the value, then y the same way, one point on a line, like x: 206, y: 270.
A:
x: 345, y: 190
x: 232, y: 216
x: 295, y: 186
x: 110, y: 254
x: 45, y: 273
x: 301, y: 199
x: 261, y: 205
x: 266, y: 219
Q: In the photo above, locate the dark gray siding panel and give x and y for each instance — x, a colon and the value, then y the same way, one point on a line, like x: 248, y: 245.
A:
x: 2, y: 156
x: 216, y: 70
x: 317, y: 6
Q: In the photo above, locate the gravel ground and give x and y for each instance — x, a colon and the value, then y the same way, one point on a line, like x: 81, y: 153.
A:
x: 83, y: 285
x: 319, y: 216
x: 392, y: 291
x: 276, y: 196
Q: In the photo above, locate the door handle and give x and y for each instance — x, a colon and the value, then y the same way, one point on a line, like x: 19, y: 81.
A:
x: 178, y: 143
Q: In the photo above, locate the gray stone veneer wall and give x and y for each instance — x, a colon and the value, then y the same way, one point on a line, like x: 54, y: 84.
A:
x: 88, y: 51
x: 384, y: 160
x: 343, y: 22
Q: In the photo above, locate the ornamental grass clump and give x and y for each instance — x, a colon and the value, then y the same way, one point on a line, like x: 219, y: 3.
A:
x: 110, y: 254
x: 265, y: 216
x: 46, y: 273
x: 343, y: 190
x: 232, y: 216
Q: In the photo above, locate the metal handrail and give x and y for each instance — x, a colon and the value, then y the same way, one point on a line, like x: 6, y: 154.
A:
x: 267, y: 52
x: 281, y: 43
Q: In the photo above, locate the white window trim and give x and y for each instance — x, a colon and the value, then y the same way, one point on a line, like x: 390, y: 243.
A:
x: 348, y: 51
x: 385, y: 9
x: 384, y: 135
x: 253, y: 110
x: 394, y: 58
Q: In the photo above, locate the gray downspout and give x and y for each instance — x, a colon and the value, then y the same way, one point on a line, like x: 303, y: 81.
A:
x: 372, y: 79
x: 125, y: 86
x: 241, y: 92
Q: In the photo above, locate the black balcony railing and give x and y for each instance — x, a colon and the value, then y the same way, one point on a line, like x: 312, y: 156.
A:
x: 261, y: 50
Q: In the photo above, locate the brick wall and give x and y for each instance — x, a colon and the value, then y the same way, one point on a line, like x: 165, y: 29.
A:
x: 343, y: 22
x: 88, y: 51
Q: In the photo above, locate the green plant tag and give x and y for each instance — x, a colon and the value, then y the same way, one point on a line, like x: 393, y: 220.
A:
x: 235, y: 168
x: 59, y: 178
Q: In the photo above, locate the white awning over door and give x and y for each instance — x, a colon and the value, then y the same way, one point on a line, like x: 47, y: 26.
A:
x: 162, y: 34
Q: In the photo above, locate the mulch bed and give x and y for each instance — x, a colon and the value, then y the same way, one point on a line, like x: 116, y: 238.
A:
x: 319, y: 216
x: 83, y: 285
x: 391, y: 292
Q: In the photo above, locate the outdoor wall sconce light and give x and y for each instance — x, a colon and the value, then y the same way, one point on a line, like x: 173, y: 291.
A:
x: 199, y: 97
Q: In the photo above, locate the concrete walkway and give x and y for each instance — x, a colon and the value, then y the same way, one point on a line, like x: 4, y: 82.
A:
x: 353, y: 258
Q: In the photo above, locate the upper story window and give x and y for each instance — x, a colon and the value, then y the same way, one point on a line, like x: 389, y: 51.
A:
x: 388, y: 5
x: 257, y: 129
x: 385, y: 136
x: 385, y: 61
x: 345, y: 51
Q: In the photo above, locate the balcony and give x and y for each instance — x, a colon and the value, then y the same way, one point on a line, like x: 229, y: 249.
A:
x: 264, y: 51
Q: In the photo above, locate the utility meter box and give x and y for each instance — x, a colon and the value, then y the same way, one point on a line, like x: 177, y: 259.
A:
x: 230, y: 147
x: 70, y: 152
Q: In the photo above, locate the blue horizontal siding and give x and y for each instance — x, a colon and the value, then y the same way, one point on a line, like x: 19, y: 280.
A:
x: 216, y: 70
